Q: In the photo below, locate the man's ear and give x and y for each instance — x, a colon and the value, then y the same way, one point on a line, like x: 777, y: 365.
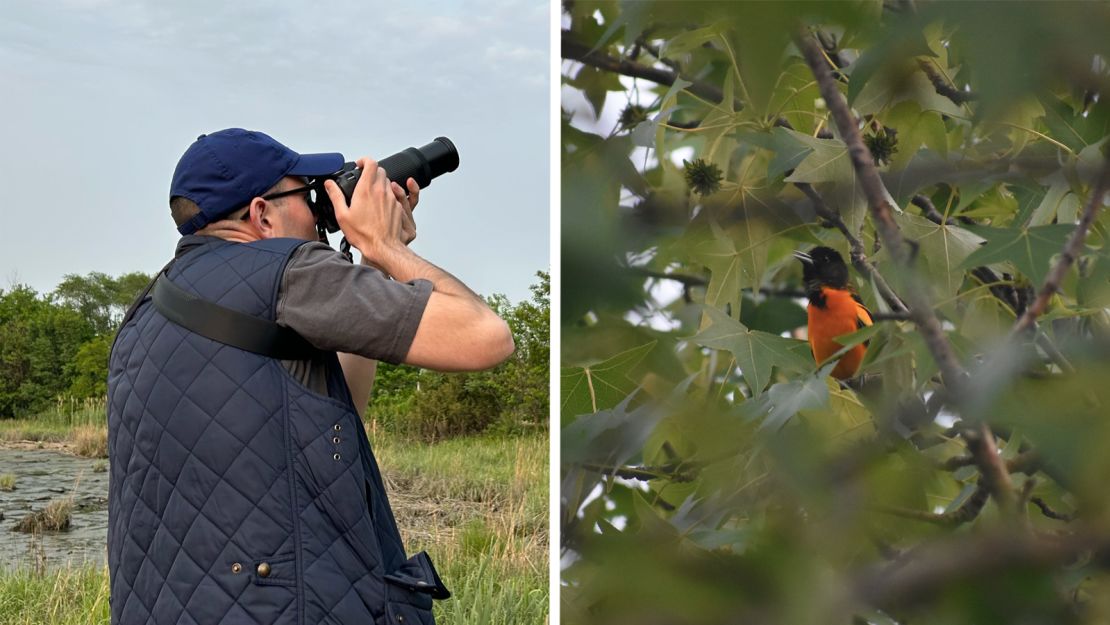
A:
x: 262, y: 217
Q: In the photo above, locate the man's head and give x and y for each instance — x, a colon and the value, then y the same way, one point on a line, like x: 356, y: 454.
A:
x: 233, y: 169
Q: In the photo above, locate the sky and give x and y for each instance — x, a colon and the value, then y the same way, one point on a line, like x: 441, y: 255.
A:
x: 101, y: 98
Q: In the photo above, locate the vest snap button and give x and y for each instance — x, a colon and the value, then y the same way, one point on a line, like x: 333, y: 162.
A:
x: 335, y: 440
x: 236, y: 568
x: 337, y: 428
x: 336, y: 456
x: 264, y: 569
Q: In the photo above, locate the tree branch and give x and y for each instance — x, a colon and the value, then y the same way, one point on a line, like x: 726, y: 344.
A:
x: 966, y: 513
x: 1027, y: 462
x: 1049, y: 512
x: 938, y: 565
x: 577, y: 51
x: 919, y: 306
x: 980, y: 441
x: 1070, y: 253
x: 957, y: 96
x: 670, y: 472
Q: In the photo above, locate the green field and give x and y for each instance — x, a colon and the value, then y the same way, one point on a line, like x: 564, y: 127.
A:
x: 477, y: 505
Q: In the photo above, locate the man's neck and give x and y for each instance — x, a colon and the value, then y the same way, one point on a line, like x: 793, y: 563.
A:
x: 231, y: 230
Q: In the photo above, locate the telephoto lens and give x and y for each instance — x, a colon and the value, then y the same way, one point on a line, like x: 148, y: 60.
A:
x: 422, y: 164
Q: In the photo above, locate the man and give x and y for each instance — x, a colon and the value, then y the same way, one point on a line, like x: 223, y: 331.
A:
x: 242, y: 487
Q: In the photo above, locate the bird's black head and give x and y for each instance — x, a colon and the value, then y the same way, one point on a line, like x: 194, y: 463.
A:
x: 823, y: 266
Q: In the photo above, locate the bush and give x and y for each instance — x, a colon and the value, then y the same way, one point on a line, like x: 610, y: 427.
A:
x: 511, y: 398
x: 91, y: 441
x: 55, y: 517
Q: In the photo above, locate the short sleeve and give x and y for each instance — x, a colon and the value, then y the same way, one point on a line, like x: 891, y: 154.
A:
x: 338, y: 306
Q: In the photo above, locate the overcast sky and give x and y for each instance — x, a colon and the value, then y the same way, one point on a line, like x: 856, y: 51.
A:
x: 101, y: 97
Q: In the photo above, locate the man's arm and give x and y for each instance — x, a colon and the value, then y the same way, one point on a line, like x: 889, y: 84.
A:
x: 359, y: 372
x: 458, y: 331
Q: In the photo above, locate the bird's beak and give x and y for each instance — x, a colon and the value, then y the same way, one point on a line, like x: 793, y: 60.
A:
x: 802, y: 256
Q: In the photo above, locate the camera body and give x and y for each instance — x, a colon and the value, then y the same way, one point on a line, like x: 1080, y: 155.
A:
x: 422, y: 164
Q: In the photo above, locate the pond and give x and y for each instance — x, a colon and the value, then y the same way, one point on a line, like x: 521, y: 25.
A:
x: 43, y: 475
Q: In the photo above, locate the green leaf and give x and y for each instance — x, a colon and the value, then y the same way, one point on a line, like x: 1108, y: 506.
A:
x: 610, y: 437
x: 891, y: 49
x: 788, y: 149
x: 717, y: 252
x: 786, y: 399
x: 942, y: 250
x: 680, y: 44
x: 1030, y: 250
x: 596, y: 85
x: 851, y: 339
x: 755, y: 352
x: 1058, y: 189
x: 592, y: 388
x: 829, y: 162
x: 774, y: 315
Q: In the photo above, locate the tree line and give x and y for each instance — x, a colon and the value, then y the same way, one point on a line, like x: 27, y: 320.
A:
x: 56, y: 344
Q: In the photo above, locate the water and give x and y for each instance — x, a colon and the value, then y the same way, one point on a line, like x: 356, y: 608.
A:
x: 42, y: 476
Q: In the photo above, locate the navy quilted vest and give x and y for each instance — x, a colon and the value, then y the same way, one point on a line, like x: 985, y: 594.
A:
x: 236, y: 495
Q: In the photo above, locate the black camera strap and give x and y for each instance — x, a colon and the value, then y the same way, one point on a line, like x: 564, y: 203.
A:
x: 227, y: 326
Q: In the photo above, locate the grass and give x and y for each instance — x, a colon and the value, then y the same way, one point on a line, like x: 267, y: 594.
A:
x: 81, y: 424
x: 7, y: 482
x: 69, y: 596
x: 55, y: 517
x: 478, y: 506
x: 90, y: 441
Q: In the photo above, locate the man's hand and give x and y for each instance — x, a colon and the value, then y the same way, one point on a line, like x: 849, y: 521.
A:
x: 375, y: 220
x: 408, y: 224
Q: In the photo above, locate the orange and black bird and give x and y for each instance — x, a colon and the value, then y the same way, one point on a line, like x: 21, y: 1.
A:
x: 834, y: 309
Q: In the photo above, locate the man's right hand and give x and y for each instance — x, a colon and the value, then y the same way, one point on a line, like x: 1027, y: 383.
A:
x: 375, y: 221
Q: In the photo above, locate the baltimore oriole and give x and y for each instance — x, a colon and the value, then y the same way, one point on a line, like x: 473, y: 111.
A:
x: 834, y: 309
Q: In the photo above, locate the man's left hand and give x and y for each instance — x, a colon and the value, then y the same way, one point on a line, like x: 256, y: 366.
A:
x: 408, y: 224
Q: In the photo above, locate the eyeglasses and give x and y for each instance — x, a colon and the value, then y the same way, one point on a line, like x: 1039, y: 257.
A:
x: 309, y: 192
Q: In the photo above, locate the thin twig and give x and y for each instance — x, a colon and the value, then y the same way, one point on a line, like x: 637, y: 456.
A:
x: 576, y: 51
x: 670, y: 472
x: 1067, y: 258
x: 1049, y: 512
x: 858, y: 254
x: 957, y: 96
x: 966, y: 513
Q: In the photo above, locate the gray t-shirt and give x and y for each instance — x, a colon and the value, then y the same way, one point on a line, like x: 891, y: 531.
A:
x: 341, y: 307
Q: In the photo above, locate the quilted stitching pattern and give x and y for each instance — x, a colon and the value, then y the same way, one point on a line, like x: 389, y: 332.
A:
x: 219, y: 458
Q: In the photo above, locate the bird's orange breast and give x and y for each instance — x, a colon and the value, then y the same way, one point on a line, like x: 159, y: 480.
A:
x: 840, y: 315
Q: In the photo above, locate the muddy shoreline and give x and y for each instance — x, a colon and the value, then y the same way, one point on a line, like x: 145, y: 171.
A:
x: 44, y: 472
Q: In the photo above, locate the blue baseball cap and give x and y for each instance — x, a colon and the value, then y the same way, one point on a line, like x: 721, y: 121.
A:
x: 223, y: 171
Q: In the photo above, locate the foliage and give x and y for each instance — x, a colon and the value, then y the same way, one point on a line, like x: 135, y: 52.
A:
x: 38, y: 339
x: 89, y: 368
x: 512, y: 398
x: 712, y: 472
x: 57, y: 343
x: 101, y: 299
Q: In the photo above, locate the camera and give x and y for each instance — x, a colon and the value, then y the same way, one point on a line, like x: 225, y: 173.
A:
x: 423, y: 164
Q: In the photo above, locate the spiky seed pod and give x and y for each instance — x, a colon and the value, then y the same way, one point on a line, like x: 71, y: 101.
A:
x: 702, y: 177
x: 631, y: 115
x: 883, y: 144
